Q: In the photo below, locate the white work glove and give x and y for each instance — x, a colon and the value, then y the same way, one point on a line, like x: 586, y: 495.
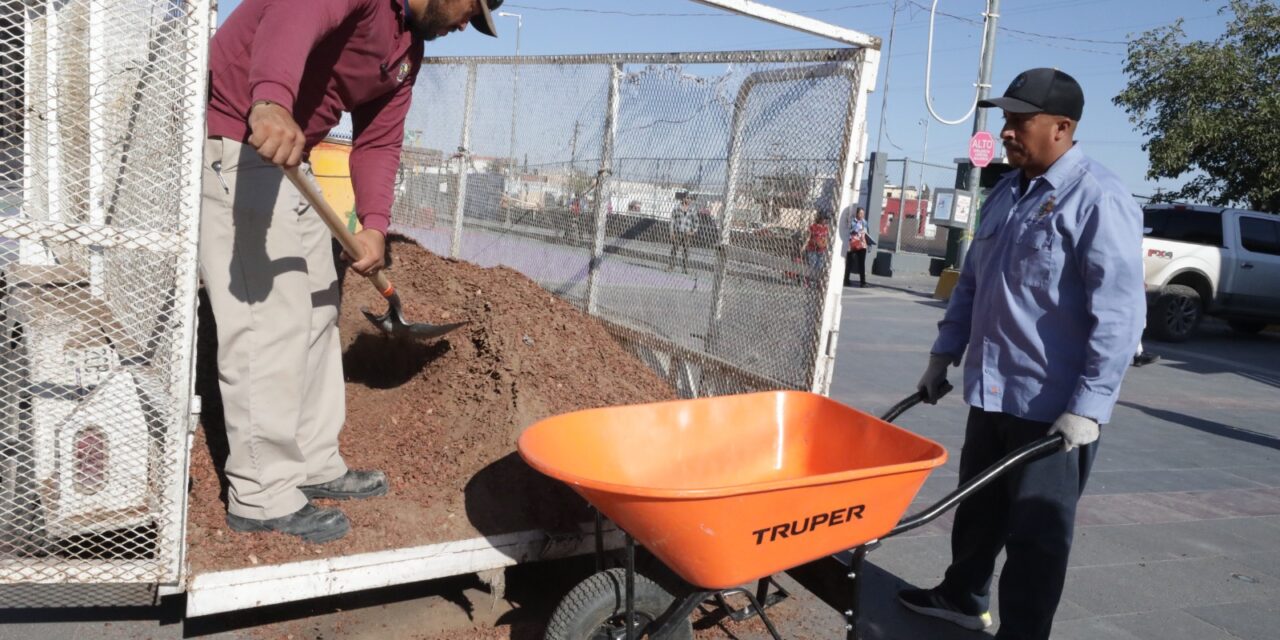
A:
x: 1076, y: 431
x: 934, y: 379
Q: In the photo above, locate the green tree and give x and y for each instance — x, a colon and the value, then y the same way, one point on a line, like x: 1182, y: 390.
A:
x: 1212, y: 109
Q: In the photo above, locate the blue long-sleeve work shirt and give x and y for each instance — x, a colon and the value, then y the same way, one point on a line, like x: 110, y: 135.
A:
x: 1050, y: 301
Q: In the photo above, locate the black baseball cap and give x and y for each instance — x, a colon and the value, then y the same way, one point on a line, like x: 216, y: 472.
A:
x: 483, y: 22
x: 1041, y: 90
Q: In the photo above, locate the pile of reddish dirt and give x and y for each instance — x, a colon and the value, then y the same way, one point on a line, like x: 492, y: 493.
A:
x: 442, y: 417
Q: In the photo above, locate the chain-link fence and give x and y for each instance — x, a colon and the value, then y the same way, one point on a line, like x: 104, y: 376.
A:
x: 676, y: 197
x: 101, y: 116
x: 906, y: 221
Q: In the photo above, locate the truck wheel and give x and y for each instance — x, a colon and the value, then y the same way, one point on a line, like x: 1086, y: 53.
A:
x: 1247, y: 326
x: 596, y: 609
x: 1175, y: 314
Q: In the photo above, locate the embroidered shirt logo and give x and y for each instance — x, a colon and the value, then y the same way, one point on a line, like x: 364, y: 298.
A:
x: 1047, y: 207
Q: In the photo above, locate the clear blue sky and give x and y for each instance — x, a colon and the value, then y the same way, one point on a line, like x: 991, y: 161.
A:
x: 1082, y: 37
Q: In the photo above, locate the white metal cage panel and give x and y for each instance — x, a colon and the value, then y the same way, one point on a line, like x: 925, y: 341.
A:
x: 570, y: 169
x: 101, y: 119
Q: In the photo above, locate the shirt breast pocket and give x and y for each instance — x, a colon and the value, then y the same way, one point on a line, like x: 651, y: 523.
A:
x: 984, y: 240
x: 1036, y: 255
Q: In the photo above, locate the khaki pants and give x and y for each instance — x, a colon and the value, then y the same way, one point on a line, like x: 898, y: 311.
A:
x: 267, y: 265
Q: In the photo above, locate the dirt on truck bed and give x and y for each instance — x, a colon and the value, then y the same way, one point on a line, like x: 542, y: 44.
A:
x: 440, y: 417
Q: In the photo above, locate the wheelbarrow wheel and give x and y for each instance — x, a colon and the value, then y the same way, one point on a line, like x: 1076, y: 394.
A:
x: 596, y: 609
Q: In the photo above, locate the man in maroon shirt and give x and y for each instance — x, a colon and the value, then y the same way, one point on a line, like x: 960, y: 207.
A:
x: 282, y: 72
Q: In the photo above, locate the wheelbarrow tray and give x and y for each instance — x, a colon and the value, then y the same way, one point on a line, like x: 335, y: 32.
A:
x: 730, y: 489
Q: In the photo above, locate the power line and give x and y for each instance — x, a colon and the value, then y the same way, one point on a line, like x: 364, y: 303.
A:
x: 1058, y: 37
x: 1056, y: 5
x: 1025, y: 35
x: 718, y: 14
x: 1063, y: 46
x: 843, y: 8
x: 1046, y: 36
x: 888, y: 66
x: 892, y: 143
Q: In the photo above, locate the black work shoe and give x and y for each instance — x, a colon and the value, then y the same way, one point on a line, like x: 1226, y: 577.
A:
x: 311, y: 523
x: 931, y: 603
x: 1143, y: 359
x: 352, y: 484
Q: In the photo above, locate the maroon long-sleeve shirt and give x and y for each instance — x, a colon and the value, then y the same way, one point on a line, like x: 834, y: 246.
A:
x: 318, y: 58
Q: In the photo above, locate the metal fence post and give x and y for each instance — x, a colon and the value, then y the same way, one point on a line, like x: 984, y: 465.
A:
x: 602, y: 190
x: 42, y: 84
x: 172, y: 539
x: 853, y: 150
x: 98, y: 52
x: 902, y: 205
x: 732, y: 170
x: 877, y: 173
x: 464, y: 159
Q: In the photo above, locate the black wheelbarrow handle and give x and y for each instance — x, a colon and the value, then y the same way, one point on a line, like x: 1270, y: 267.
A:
x: 911, y: 401
x: 1034, y: 451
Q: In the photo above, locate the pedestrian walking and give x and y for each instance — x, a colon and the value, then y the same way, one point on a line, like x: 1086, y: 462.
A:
x: 684, y: 224
x: 859, y: 242
x: 573, y: 223
x: 1047, y: 314
x: 816, y: 245
x: 282, y: 72
x: 1143, y: 357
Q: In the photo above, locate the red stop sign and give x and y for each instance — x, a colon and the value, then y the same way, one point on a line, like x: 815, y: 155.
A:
x: 982, y: 149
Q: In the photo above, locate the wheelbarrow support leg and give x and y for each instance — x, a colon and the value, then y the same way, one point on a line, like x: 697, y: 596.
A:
x: 678, y: 613
x: 855, y: 593
x: 599, y: 540
x: 764, y: 616
x: 757, y: 603
x: 631, y: 587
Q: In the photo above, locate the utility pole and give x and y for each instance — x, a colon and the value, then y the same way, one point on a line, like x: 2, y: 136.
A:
x: 573, y: 146
x: 515, y: 87
x: 979, y: 122
x: 888, y: 59
x: 924, y: 159
x: 573, y: 157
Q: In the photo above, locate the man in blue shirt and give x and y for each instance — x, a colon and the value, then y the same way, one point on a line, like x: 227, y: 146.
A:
x: 1049, y: 307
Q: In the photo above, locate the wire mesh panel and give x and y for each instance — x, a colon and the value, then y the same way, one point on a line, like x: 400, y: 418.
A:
x: 784, y: 164
x: 430, y: 165
x: 674, y: 196
x: 100, y: 123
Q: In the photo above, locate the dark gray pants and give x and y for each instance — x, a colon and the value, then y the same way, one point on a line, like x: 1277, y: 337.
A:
x: 856, y: 262
x: 1030, y: 513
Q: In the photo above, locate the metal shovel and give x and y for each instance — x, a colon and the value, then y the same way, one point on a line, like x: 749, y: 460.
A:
x: 392, y: 322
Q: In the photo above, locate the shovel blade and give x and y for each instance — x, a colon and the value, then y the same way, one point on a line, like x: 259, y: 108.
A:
x: 390, y: 324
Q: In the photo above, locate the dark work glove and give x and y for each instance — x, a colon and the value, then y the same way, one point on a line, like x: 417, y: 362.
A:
x: 934, y: 379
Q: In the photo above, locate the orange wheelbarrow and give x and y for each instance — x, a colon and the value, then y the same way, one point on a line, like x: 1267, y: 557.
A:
x: 730, y: 490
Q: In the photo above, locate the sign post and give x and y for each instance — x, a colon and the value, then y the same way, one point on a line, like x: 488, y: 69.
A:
x: 980, y: 118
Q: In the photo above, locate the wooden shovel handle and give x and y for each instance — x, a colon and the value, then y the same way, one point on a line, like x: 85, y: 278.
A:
x: 337, y: 226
